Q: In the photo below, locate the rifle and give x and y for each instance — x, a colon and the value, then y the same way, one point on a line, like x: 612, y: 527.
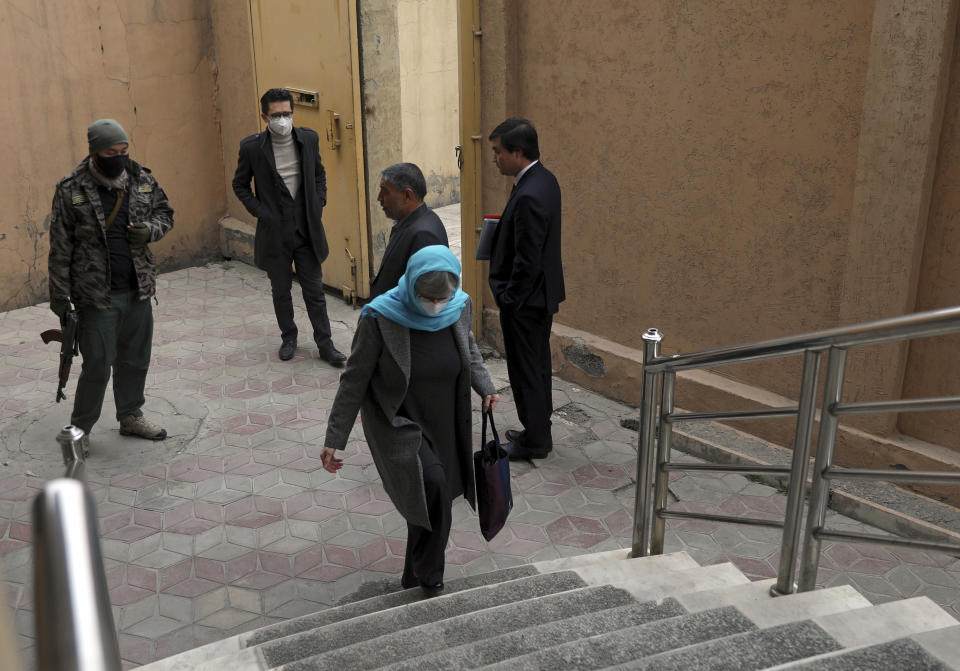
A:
x: 69, y: 339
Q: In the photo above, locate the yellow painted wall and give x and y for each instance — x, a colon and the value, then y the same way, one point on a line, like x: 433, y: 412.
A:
x: 63, y: 64
x: 427, y: 41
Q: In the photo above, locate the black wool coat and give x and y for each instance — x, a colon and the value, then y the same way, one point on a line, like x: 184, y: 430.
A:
x: 421, y: 228
x: 257, y: 164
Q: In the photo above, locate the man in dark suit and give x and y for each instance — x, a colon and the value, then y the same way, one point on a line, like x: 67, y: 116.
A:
x: 402, y: 190
x: 526, y: 278
x: 290, y: 191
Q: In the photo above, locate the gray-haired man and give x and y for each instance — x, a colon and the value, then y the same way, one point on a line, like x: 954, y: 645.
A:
x: 402, y: 190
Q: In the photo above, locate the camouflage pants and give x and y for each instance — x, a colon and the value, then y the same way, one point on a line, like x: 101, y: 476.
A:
x: 119, y: 338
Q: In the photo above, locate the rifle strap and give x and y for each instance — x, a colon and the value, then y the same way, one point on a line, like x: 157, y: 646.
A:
x: 116, y: 210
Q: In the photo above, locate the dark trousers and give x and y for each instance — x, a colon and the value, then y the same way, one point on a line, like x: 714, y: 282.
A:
x: 424, y: 560
x: 310, y: 276
x: 119, y: 338
x: 526, y: 337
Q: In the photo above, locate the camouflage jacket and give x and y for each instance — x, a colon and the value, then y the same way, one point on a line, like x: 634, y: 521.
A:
x: 79, y: 262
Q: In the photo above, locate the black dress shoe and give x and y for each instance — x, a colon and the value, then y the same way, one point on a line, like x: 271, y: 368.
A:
x: 517, y: 451
x: 515, y: 436
x: 332, y: 356
x: 287, y: 348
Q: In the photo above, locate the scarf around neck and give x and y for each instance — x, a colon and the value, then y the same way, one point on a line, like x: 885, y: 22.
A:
x: 118, y: 182
x: 400, y: 304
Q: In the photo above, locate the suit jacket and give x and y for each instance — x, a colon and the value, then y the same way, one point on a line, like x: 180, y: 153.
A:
x: 417, y: 230
x: 375, y: 384
x: 526, y: 270
x: 256, y: 162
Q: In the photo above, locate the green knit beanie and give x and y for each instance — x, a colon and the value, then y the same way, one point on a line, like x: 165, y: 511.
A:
x: 104, y: 133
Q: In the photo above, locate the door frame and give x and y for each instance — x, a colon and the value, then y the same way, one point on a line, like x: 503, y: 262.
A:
x: 471, y: 143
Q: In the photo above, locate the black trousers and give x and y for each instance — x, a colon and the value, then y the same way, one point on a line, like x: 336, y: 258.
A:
x: 526, y: 337
x: 310, y: 276
x: 424, y: 560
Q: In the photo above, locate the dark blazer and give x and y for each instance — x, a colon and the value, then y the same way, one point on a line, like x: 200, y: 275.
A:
x: 375, y: 384
x: 421, y: 228
x: 256, y: 162
x: 525, y: 266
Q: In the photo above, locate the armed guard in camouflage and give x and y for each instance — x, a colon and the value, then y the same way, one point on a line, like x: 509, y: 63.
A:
x: 104, y: 215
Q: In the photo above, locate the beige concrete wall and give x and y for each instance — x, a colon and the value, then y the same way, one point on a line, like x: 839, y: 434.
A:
x: 237, y: 102
x: 934, y: 364
x: 408, y: 55
x: 429, y: 94
x: 64, y: 64
x: 382, y: 118
x: 733, y: 171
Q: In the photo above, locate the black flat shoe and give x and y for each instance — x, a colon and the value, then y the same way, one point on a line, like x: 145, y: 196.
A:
x: 432, y: 590
x: 287, y: 348
x: 332, y: 356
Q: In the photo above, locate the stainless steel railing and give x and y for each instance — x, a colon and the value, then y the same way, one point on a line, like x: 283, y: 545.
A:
x: 654, y: 465
x: 72, y: 613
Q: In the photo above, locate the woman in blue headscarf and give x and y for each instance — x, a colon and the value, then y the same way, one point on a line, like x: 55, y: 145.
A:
x: 411, y: 367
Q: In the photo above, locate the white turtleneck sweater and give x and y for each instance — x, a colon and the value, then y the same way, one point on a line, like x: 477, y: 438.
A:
x: 288, y: 163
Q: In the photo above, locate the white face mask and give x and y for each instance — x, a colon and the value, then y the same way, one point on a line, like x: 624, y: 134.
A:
x: 432, y: 308
x: 281, y: 126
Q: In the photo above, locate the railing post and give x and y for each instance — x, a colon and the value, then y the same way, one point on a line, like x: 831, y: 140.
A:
x: 71, y: 448
x: 806, y: 414
x: 820, y: 490
x: 661, y: 478
x: 642, y: 516
x: 74, y: 622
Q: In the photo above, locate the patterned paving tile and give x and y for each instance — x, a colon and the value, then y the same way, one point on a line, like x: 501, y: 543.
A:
x: 238, y: 525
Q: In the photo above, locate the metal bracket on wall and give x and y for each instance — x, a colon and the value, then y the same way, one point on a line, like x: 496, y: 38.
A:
x: 304, y: 97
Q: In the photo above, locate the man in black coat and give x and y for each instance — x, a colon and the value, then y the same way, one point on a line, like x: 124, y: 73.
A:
x: 290, y: 191
x: 402, y: 190
x: 526, y: 278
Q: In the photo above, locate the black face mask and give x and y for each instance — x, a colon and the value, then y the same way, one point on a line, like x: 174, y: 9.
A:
x: 112, y: 166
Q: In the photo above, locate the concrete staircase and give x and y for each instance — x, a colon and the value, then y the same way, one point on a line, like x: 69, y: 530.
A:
x: 598, y: 611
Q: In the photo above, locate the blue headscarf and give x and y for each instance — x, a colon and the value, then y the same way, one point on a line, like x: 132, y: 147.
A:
x: 400, y: 304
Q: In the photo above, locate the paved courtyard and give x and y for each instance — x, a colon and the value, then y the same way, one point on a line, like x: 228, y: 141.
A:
x: 231, y: 524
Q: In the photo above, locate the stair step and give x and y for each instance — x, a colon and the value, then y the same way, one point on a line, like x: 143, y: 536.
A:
x: 749, y: 651
x: 624, y: 574
x: 885, y: 622
x: 547, y: 620
x: 896, y: 655
x: 914, y: 629
x: 186, y: 661
x: 279, y: 651
x: 645, y: 586
x: 944, y: 644
x: 648, y: 585
x: 626, y: 644
x: 754, y: 601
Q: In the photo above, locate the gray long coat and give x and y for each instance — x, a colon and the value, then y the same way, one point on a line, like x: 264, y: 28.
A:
x: 375, y: 384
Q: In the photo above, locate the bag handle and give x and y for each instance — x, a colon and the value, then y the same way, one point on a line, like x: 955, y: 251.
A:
x: 483, y: 435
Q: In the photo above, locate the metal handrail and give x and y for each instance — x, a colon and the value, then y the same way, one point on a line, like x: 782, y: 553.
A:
x: 917, y: 325
x: 657, y: 416
x: 72, y: 614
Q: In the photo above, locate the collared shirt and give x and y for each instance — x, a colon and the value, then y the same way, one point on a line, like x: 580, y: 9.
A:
x: 516, y: 180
